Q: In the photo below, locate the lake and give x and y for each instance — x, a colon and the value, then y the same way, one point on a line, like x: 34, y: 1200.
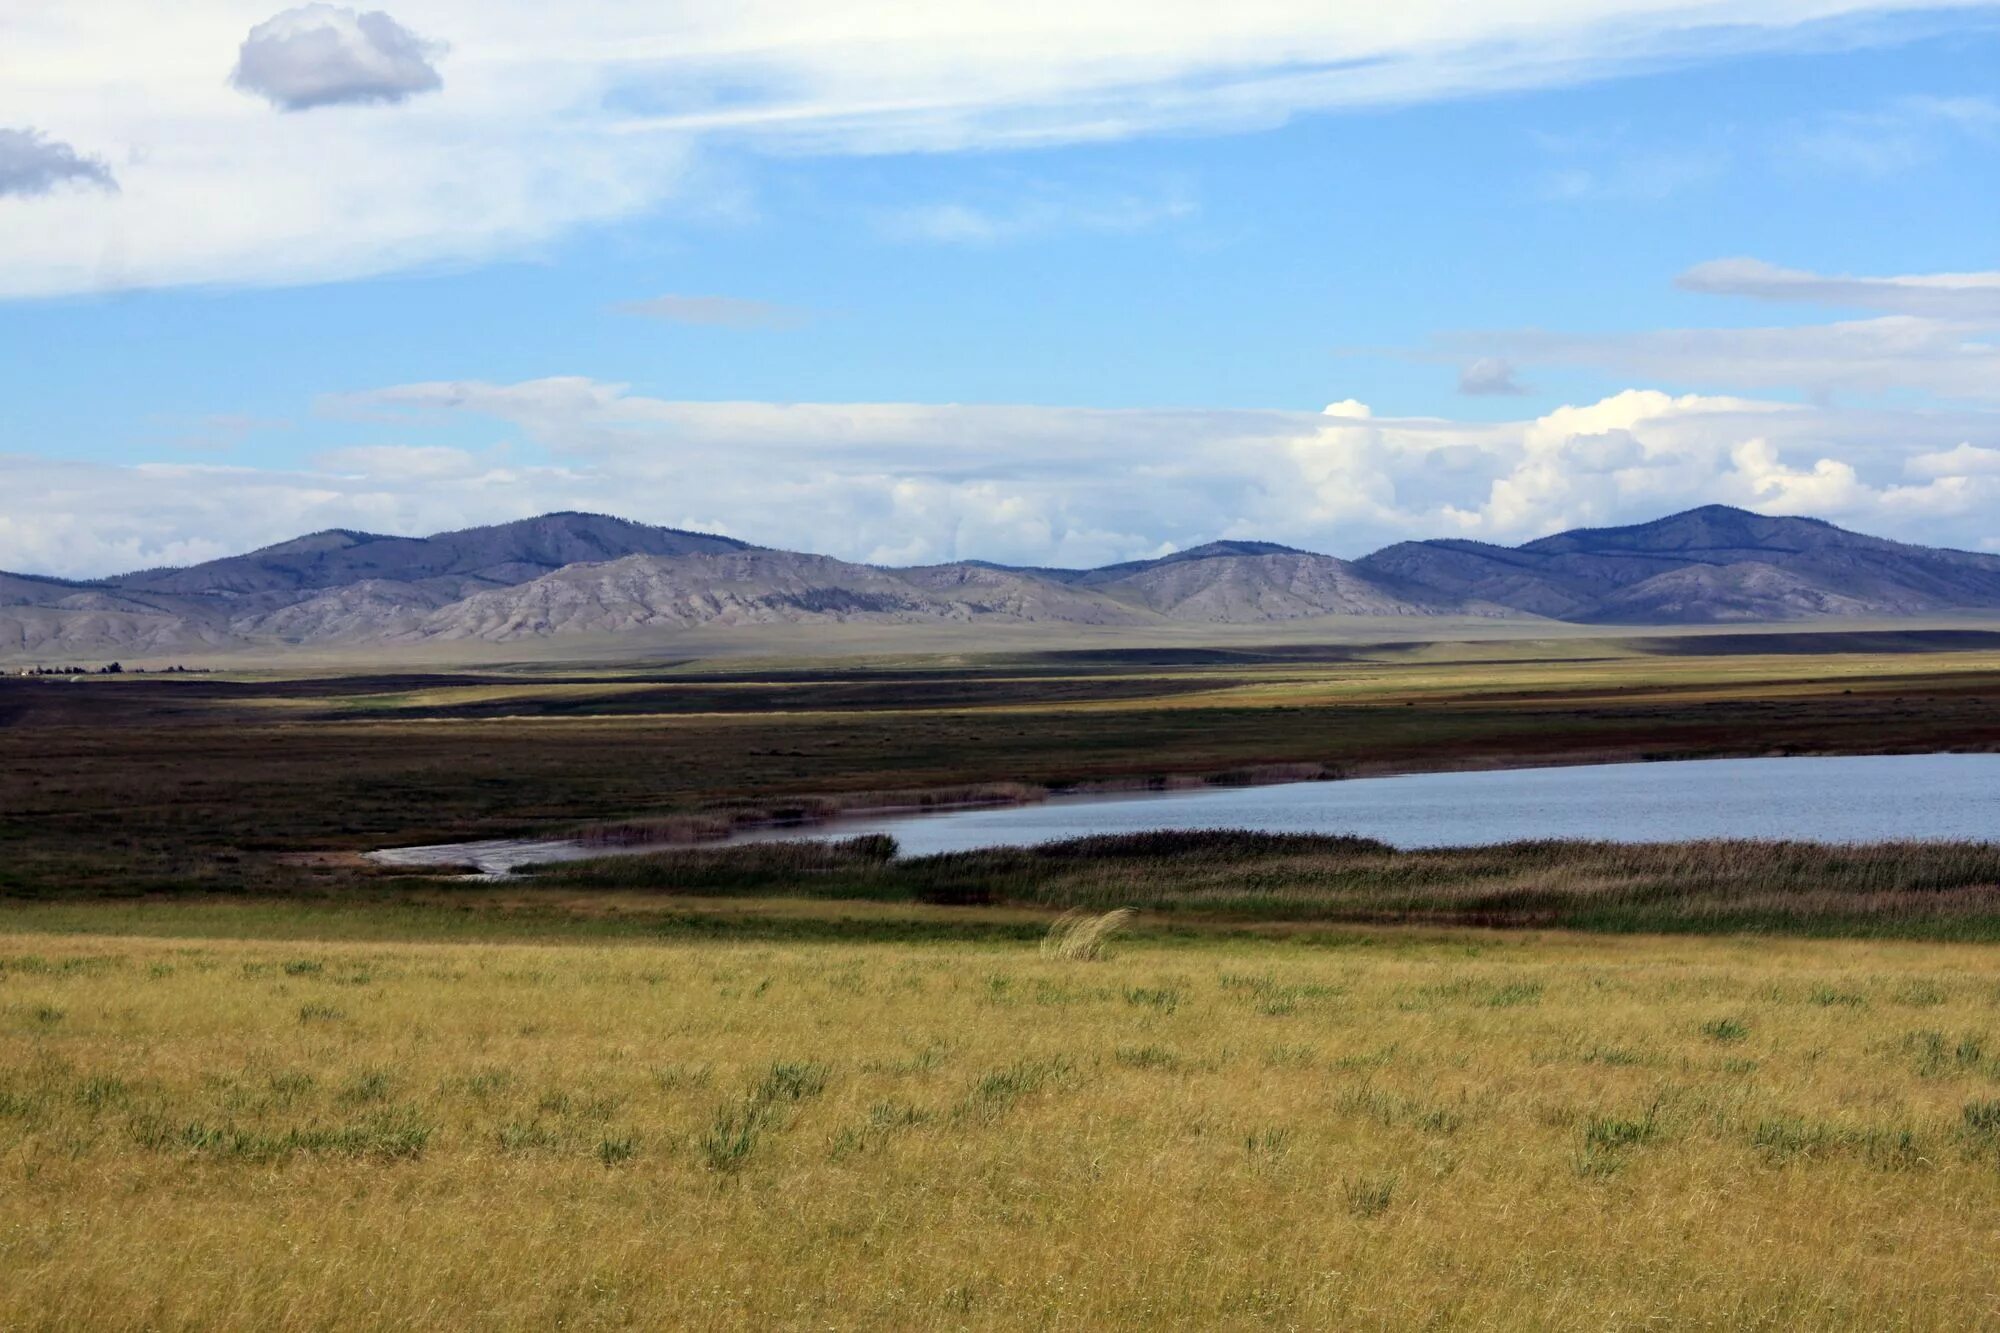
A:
x: 1870, y: 798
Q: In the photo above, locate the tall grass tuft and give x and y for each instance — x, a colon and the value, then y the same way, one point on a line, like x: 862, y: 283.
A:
x: 739, y: 1125
x: 1080, y: 936
x: 1369, y: 1196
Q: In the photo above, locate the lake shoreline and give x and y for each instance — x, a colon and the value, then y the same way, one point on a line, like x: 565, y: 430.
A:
x: 870, y: 814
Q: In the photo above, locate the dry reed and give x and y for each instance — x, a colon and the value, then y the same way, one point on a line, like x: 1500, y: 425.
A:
x: 1080, y: 936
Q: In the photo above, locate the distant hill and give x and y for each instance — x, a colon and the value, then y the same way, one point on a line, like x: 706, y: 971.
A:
x: 457, y: 562
x: 569, y: 573
x: 1705, y: 566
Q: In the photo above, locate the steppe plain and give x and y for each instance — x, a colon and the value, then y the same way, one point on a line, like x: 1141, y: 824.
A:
x: 248, y: 1078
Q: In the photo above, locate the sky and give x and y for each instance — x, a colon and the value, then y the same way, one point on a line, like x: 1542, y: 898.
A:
x: 1040, y: 284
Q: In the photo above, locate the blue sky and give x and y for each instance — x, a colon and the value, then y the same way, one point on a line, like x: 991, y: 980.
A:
x: 473, y: 279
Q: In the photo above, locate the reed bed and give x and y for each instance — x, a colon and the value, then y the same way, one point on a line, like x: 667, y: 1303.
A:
x: 1930, y: 890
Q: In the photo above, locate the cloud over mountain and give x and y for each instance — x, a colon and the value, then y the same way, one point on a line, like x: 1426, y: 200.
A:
x: 915, y: 483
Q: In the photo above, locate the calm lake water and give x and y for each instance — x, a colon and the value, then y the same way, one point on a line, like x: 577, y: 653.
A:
x: 1870, y: 798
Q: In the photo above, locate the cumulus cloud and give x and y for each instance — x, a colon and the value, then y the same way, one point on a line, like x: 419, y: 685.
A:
x: 725, y: 312
x: 31, y: 163
x: 569, y: 116
x: 1962, y: 460
x: 325, y: 55
x: 1950, y: 296
x: 1826, y: 486
x: 1488, y: 375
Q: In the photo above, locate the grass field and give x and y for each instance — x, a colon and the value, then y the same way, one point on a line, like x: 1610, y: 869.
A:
x: 247, y: 1080
x: 1392, y: 1129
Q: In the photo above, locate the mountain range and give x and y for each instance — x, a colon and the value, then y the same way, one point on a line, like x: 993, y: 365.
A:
x: 570, y: 573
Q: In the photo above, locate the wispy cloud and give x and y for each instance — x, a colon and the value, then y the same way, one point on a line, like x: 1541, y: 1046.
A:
x: 725, y: 312
x: 1938, y: 340
x: 535, y: 133
x: 385, y: 464
x: 1891, y: 353
x: 1637, y: 175
x: 1892, y: 138
x: 1032, y: 209
x: 221, y: 432
x: 1962, y: 296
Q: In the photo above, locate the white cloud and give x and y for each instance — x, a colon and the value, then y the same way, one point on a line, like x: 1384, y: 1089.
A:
x: 1963, y: 460
x: 905, y: 483
x: 1826, y: 486
x: 537, y: 134
x: 325, y: 55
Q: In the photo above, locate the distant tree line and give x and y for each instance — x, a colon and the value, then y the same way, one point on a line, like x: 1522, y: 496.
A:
x: 109, y: 669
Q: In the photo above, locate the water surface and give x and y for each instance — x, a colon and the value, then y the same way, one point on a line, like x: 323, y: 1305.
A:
x: 1871, y: 798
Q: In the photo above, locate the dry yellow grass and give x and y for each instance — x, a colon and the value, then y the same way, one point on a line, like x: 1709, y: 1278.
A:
x: 1511, y: 1132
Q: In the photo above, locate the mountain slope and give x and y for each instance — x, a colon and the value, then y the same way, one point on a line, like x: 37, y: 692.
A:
x: 1291, y: 585
x: 1746, y: 591
x: 775, y: 587
x: 1497, y: 574
x: 755, y: 588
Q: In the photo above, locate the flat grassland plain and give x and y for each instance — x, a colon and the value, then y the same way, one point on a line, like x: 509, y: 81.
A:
x: 247, y: 1081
